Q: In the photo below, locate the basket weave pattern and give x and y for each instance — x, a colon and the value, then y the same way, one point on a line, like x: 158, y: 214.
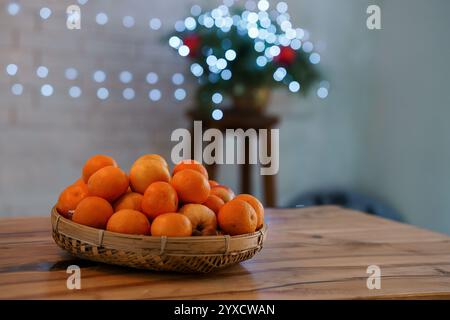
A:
x: 179, y: 254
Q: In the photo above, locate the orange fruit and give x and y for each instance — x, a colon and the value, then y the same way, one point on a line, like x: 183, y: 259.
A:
x: 160, y: 197
x: 70, y: 198
x: 191, y: 186
x: 214, y: 203
x: 108, y: 183
x: 237, y: 217
x: 129, y: 221
x: 153, y: 157
x: 93, y: 212
x: 130, y: 200
x: 94, y: 164
x: 79, y: 182
x: 190, y: 164
x: 256, y: 204
x: 223, y: 192
x: 144, y: 173
x: 213, y: 183
x: 203, y: 219
x: 171, y: 225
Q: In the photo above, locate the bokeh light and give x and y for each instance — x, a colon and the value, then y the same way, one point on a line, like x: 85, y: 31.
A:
x: 75, y: 92
x: 125, y: 77
x: 177, y: 79
x: 11, y: 69
x: 217, y: 114
x: 322, y: 93
x: 151, y: 78
x: 155, y: 94
x: 17, y: 89
x: 128, y: 21
x: 102, y: 93
x: 99, y: 76
x: 42, y: 72
x: 101, y: 18
x: 314, y: 58
x: 128, y: 94
x: 13, y: 8
x: 155, y: 24
x: 45, y: 13
x: 294, y: 86
x: 47, y: 90
x: 71, y: 73
x: 217, y: 98
x: 180, y: 94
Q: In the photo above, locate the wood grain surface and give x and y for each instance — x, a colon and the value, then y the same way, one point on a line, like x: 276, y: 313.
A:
x: 314, y: 253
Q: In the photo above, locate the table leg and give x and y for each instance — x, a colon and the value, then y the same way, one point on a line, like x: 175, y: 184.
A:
x: 212, y: 171
x: 246, y: 178
x: 269, y: 191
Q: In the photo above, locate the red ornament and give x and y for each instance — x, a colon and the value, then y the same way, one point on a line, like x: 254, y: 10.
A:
x: 193, y: 42
x: 287, y: 56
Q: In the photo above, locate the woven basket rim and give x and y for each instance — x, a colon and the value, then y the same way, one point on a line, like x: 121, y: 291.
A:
x: 218, y: 245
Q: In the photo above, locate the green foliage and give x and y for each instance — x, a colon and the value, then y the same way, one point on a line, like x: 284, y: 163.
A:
x: 245, y: 71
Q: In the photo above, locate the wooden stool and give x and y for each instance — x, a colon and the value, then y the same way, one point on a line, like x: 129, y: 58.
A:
x: 236, y: 119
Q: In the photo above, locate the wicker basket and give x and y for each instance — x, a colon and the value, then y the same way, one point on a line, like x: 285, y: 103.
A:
x: 180, y: 254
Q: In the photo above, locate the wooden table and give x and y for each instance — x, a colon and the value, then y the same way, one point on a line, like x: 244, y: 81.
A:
x: 314, y: 253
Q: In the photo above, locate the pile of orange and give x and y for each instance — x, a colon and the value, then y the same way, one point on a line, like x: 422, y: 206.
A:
x: 151, y: 201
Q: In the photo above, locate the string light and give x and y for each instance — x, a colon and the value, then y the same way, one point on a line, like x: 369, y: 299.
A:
x: 180, y: 94
x: 263, y: 5
x: 261, y: 61
x: 226, y: 74
x: 42, y: 72
x: 128, y: 21
x: 75, y: 92
x: 217, y: 114
x: 11, y: 69
x: 180, y: 26
x: 151, y: 78
x: 197, y: 70
x: 102, y: 93
x: 45, y: 13
x: 196, y: 10
x: 71, y: 73
x: 125, y: 77
x: 17, y: 89
x: 154, y: 95
x: 217, y: 98
x: 322, y: 93
x: 308, y: 46
x: 230, y: 55
x: 175, y: 42
x: 101, y: 18
x: 190, y: 23
x: 282, y: 7
x: 314, y: 58
x: 46, y: 90
x: 272, y: 32
x: 13, y: 8
x: 99, y: 76
x: 155, y: 24
x: 183, y: 50
x: 177, y: 79
x: 128, y: 94
x: 221, y: 64
x: 279, y: 74
x: 294, y: 86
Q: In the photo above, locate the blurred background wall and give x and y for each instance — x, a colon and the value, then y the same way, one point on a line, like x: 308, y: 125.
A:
x: 382, y: 131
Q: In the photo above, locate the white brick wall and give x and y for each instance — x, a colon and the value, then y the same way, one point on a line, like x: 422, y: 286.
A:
x: 45, y: 140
